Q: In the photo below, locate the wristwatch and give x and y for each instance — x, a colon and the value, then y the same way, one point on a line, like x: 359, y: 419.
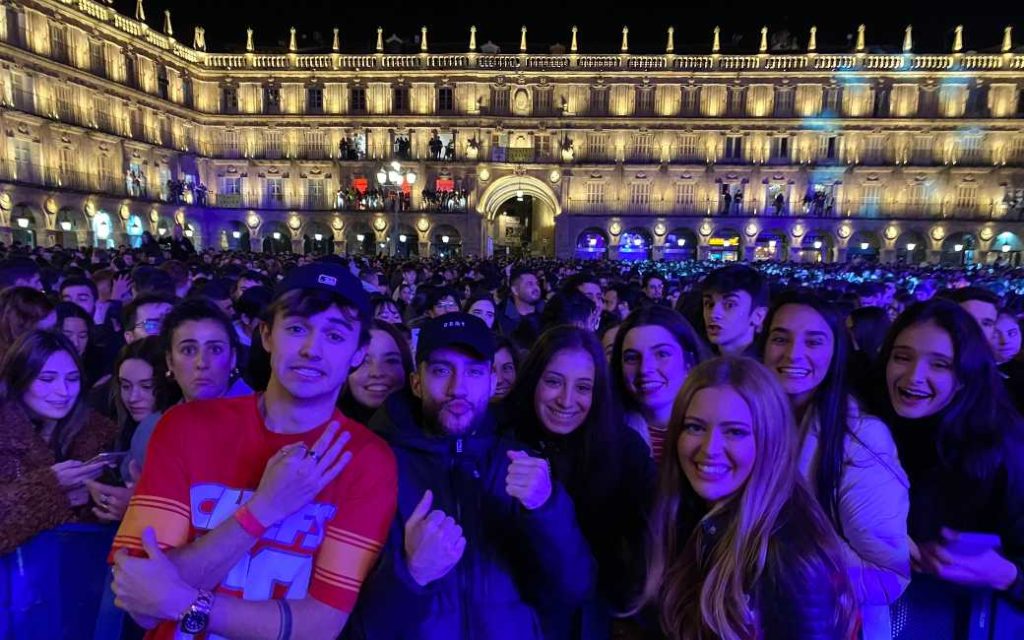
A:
x: 197, y: 617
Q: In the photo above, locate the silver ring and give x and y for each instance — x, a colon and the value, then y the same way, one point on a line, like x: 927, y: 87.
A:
x: 105, y: 500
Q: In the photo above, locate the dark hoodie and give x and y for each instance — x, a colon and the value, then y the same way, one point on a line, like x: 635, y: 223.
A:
x: 514, y: 558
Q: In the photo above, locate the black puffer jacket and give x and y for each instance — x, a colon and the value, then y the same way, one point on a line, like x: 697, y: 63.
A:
x: 514, y: 558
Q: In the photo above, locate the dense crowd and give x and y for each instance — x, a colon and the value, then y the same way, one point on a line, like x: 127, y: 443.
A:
x: 367, y: 447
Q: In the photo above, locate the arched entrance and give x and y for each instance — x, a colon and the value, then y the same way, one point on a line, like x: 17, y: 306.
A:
x: 816, y: 247
x: 445, y: 242
x: 514, y: 227
x: 864, y: 245
x: 592, y: 244
x: 771, y: 245
x: 317, y: 239
x: 515, y: 194
x: 1006, y: 248
x: 26, y: 225
x: 103, y: 230
x: 164, y: 227
x: 635, y: 244
x: 360, y: 240
x: 71, y: 227
x: 911, y: 248
x: 724, y: 245
x: 408, y: 242
x: 192, y: 233
x: 681, y: 244
x: 235, y: 237
x: 276, y: 238
x: 958, y: 249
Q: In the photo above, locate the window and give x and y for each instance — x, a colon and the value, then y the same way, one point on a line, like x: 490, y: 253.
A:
x: 599, y: 101
x: 131, y: 75
x: 317, y: 198
x: 445, y: 100
x: 315, y: 99
x: 162, y: 82
x: 229, y: 100
x: 595, y: 193
x: 784, y: 100
x: 271, y: 144
x: 499, y: 100
x: 686, y: 193
x: 230, y: 145
x: 97, y: 58
x: 314, y: 145
x: 542, y: 101
x: 833, y: 99
x: 691, y: 101
x: 275, y: 190
x: 231, y: 186
x: 644, y: 101
x: 780, y: 147
x: 967, y: 196
x: 271, y: 100
x: 400, y: 99
x: 917, y: 196
x: 1018, y: 148
x: 688, y: 147
x: 872, y: 198
x: 970, y: 149
x: 874, y: 151
x: 642, y: 147
x: 65, y: 103
x: 357, y: 100
x: 922, y: 150
x: 58, y: 42
x: 640, y: 194
x: 734, y: 147
x: 737, y: 101
x: 542, y: 147
x: 597, y: 146
x: 831, y: 147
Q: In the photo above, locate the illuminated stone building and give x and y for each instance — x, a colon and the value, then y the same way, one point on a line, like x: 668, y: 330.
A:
x: 112, y: 128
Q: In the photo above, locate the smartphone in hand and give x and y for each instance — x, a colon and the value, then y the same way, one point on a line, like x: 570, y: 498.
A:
x: 109, y: 457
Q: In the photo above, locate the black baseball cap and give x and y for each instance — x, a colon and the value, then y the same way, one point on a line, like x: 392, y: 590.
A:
x: 325, y: 276
x: 455, y: 330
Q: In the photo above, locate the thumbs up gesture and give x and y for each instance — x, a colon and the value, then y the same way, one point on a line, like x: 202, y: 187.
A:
x: 433, y: 542
x: 528, y: 479
x: 150, y: 587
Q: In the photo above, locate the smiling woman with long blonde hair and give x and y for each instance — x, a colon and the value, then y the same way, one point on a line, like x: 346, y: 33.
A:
x: 740, y: 549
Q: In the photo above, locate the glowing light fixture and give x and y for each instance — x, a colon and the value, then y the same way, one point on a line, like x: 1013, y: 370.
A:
x: 681, y: 242
x: 189, y: 233
x: 319, y: 237
x: 911, y: 246
x: 864, y: 246
x: 236, y: 234
x: 817, y: 244
x: 402, y: 238
x: 65, y: 225
x: 23, y: 223
x: 958, y: 248
x: 445, y: 239
x: 360, y: 237
x: 277, y: 235
x: 1005, y: 248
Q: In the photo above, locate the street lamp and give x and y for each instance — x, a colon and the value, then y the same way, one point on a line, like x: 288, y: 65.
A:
x: 1006, y: 248
x: 392, y: 178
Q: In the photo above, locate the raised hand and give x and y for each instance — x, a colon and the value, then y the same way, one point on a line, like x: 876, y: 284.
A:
x: 433, y: 542
x: 528, y: 479
x: 297, y: 473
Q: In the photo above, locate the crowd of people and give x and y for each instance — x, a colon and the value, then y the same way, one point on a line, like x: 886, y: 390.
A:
x: 366, y: 447
x: 186, y: 192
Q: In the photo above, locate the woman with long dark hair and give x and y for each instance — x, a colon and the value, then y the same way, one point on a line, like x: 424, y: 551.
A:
x: 561, y: 405
x: 654, y: 349
x: 962, y: 443
x: 49, y: 438
x: 739, y: 548
x: 384, y: 370
x: 847, y: 456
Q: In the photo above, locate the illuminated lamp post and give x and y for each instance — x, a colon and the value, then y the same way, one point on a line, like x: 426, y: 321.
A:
x: 391, y: 179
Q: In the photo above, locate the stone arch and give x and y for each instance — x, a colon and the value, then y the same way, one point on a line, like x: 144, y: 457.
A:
x: 592, y: 244
x: 911, y: 247
x: 317, y: 238
x: 445, y: 241
x: 545, y: 205
x: 277, y: 237
x: 817, y: 246
x: 959, y: 247
x: 28, y: 224
x: 408, y: 241
x: 72, y: 227
x: 681, y: 244
x: 367, y: 245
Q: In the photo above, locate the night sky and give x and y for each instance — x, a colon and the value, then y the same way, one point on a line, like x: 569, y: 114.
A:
x: 600, y: 23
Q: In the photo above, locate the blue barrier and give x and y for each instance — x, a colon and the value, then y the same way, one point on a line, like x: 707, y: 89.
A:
x: 54, y: 586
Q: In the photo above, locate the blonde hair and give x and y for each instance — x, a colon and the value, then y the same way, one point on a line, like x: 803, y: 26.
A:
x: 696, y: 601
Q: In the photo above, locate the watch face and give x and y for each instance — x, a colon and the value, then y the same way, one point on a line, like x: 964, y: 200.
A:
x: 194, y: 622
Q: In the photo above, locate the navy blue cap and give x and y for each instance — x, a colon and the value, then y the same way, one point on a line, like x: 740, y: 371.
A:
x: 325, y: 276
x: 455, y: 330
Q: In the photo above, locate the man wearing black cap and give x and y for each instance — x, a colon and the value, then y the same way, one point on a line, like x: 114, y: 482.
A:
x: 259, y: 517
x: 483, y: 533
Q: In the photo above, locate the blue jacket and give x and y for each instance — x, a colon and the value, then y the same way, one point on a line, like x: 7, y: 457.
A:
x: 514, y: 560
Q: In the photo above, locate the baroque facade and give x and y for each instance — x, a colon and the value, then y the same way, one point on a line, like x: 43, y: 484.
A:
x: 112, y: 128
